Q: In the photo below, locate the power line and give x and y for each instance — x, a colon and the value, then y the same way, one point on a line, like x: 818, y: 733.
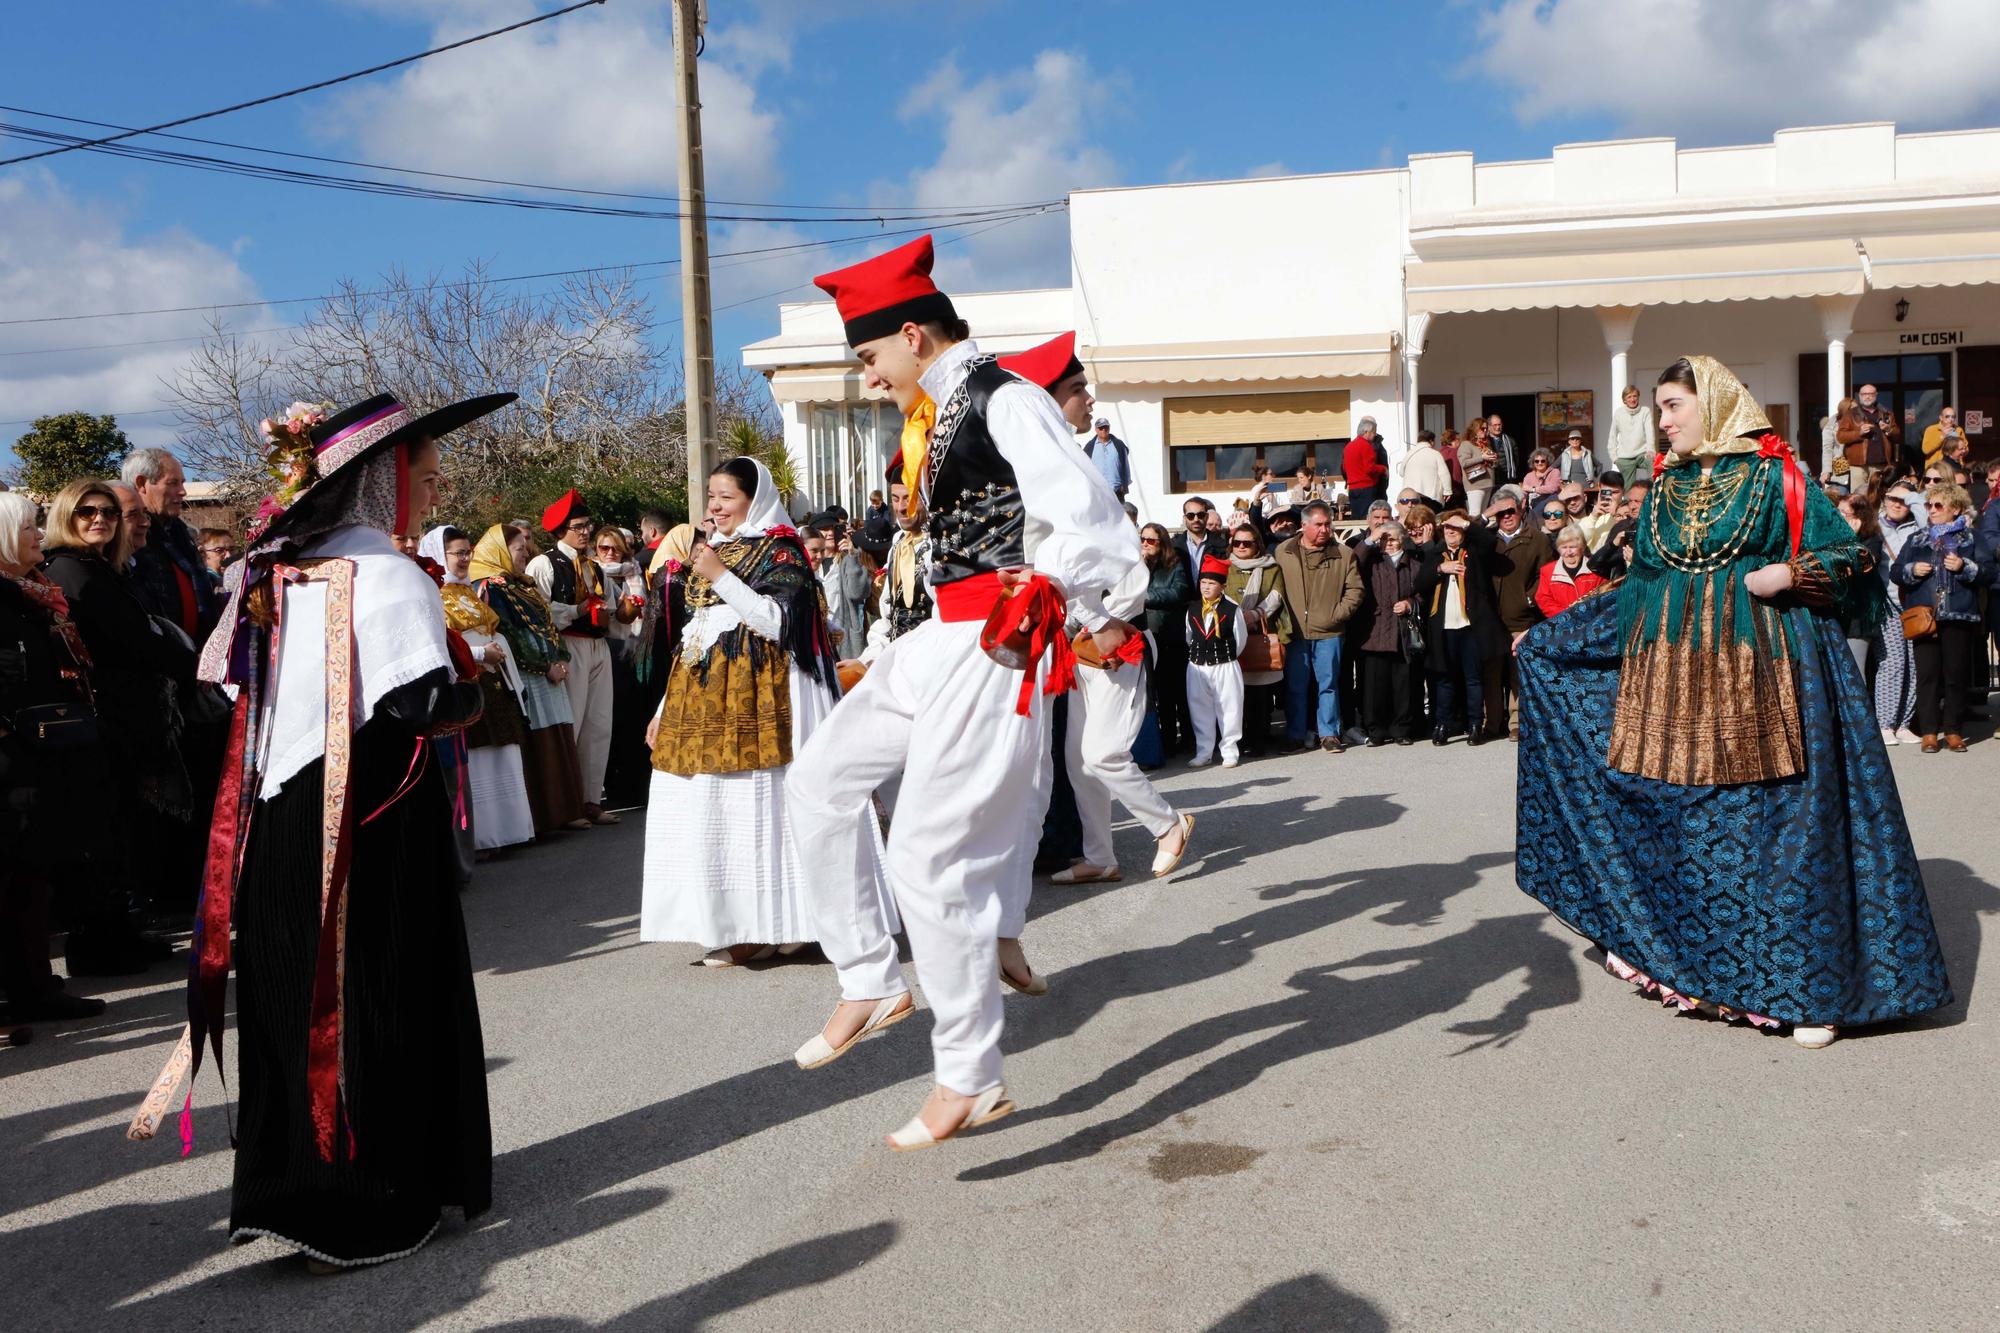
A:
x: 400, y: 190
x: 473, y: 180
x: 308, y: 88
x: 665, y: 323
x: 526, y: 277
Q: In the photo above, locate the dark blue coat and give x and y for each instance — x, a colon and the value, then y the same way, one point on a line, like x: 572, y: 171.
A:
x: 1950, y: 594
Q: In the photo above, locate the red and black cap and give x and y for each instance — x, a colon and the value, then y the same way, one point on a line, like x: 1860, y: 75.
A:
x: 1048, y: 364
x: 880, y: 295
x: 557, y: 516
x: 1214, y: 567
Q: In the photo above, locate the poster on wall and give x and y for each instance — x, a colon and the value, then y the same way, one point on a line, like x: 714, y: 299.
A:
x: 1560, y: 411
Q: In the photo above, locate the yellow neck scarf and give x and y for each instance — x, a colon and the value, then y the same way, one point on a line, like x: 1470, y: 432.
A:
x: 917, y: 429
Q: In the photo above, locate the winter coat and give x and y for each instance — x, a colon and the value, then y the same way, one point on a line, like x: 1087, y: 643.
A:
x: 1377, y: 628
x: 1951, y: 594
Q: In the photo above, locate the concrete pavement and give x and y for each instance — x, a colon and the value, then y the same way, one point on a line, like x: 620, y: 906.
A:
x: 1338, y: 1073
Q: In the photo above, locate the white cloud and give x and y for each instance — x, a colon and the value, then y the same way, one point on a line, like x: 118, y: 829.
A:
x: 1268, y: 169
x: 586, y: 100
x: 62, y: 255
x: 1712, y: 71
x: 1023, y: 134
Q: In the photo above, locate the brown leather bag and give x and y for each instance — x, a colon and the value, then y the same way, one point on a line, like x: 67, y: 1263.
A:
x: 1919, y: 623
x: 1262, y: 652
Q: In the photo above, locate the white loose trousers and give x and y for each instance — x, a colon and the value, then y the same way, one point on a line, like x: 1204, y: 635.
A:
x: 589, y: 687
x: 938, y: 708
x: 1215, y: 706
x: 1105, y: 713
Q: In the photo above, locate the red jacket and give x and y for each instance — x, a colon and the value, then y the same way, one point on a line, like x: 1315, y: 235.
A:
x: 1558, y: 594
x: 1362, y: 464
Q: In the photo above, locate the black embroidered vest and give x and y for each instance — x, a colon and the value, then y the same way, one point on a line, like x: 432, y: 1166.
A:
x: 563, y: 588
x: 977, y: 518
x: 1218, y: 649
x: 902, y: 619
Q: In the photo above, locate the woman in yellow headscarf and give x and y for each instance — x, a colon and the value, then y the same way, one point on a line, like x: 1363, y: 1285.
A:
x: 548, y: 752
x: 1703, y: 790
x: 496, y: 786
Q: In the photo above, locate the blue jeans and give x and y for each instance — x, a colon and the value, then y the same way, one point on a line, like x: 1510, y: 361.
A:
x: 1312, y: 688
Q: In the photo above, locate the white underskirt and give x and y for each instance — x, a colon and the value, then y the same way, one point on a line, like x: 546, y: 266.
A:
x: 720, y: 868
x: 501, y: 815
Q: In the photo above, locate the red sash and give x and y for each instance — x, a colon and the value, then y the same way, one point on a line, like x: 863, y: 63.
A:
x: 1022, y: 622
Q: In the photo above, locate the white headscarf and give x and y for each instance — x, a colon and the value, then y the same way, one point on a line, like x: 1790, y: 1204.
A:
x: 432, y: 548
x: 767, y: 507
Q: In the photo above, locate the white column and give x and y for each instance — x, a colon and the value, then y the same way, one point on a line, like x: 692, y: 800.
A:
x: 1836, y: 321
x: 1618, y: 323
x: 1416, y: 331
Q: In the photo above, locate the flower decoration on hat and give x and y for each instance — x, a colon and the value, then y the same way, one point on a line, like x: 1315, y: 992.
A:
x: 289, y: 457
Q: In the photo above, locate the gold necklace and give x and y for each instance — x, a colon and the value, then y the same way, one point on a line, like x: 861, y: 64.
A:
x: 1702, y: 502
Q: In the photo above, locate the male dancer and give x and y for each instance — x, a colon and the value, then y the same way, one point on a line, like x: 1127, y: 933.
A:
x: 1109, y: 701
x: 1017, y: 514
x: 574, y: 585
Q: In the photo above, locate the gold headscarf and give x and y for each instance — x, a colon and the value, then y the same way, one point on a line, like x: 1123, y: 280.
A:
x: 490, y: 557
x: 1731, y: 421
x: 677, y: 544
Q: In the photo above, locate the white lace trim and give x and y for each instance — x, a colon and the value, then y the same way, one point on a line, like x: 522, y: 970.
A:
x: 249, y: 1233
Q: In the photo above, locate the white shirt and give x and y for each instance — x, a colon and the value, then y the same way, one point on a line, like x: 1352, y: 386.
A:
x: 1076, y: 534
x: 542, y: 570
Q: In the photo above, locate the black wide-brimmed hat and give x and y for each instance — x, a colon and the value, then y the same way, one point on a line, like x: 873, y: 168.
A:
x: 353, y: 433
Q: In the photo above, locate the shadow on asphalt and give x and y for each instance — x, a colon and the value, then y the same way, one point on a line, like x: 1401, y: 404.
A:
x: 1958, y: 899
x: 1309, y: 1301
x: 1328, y: 1011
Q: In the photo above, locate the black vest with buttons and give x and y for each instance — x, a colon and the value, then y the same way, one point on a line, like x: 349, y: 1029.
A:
x: 562, y: 585
x: 902, y: 619
x: 1220, y: 649
x: 977, y: 518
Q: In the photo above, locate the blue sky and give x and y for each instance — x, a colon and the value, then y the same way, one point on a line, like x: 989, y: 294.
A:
x: 883, y: 104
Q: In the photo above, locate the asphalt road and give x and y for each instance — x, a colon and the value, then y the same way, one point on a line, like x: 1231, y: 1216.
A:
x: 1339, y: 1073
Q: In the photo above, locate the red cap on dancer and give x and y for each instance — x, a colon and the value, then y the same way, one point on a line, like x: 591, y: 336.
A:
x: 1047, y: 365
x: 558, y: 515
x: 1214, y: 567
x: 879, y: 296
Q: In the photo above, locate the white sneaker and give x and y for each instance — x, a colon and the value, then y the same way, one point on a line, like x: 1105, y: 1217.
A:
x: 1814, y: 1038
x: 1889, y: 737
x: 1230, y: 762
x: 1908, y: 737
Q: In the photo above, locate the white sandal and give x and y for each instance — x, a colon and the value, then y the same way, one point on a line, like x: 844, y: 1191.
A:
x: 1814, y: 1037
x: 989, y: 1106
x: 819, y: 1051
x: 1164, y: 863
x: 1078, y: 874
x: 723, y: 958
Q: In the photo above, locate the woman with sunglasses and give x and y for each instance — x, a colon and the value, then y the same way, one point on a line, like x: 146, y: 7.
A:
x: 1702, y: 790
x: 1942, y: 566
x: 139, y: 675
x: 1257, y: 585
x: 1168, y: 593
x: 1896, y: 664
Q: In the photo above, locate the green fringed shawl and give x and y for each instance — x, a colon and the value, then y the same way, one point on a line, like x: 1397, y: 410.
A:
x: 1711, y: 611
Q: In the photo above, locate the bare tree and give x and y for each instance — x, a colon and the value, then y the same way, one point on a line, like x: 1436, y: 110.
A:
x: 597, y: 394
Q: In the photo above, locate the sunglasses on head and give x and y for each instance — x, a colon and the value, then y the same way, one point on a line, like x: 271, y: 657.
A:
x: 90, y: 511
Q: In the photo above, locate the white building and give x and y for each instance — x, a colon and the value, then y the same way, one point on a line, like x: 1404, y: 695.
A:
x: 1235, y: 323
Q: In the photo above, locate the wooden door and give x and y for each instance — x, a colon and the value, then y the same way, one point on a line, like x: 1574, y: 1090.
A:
x: 1979, y: 391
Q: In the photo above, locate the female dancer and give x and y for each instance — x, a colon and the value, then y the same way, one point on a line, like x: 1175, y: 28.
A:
x: 362, y: 1074
x: 496, y: 780
x: 1703, y: 791
x: 754, y: 675
x: 498, y: 571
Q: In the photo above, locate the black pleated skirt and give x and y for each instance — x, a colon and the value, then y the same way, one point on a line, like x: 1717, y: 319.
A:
x: 415, y: 1063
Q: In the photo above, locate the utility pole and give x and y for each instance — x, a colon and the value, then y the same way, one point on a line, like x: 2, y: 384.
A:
x: 697, y: 328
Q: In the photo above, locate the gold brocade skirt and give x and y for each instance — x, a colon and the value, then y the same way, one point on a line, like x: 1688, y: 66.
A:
x: 1709, y: 716
x: 738, y: 721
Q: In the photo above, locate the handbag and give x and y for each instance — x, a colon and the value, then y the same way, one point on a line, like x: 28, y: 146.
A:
x: 1410, y: 636
x: 1262, y: 652
x: 56, y: 728
x: 1919, y: 623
